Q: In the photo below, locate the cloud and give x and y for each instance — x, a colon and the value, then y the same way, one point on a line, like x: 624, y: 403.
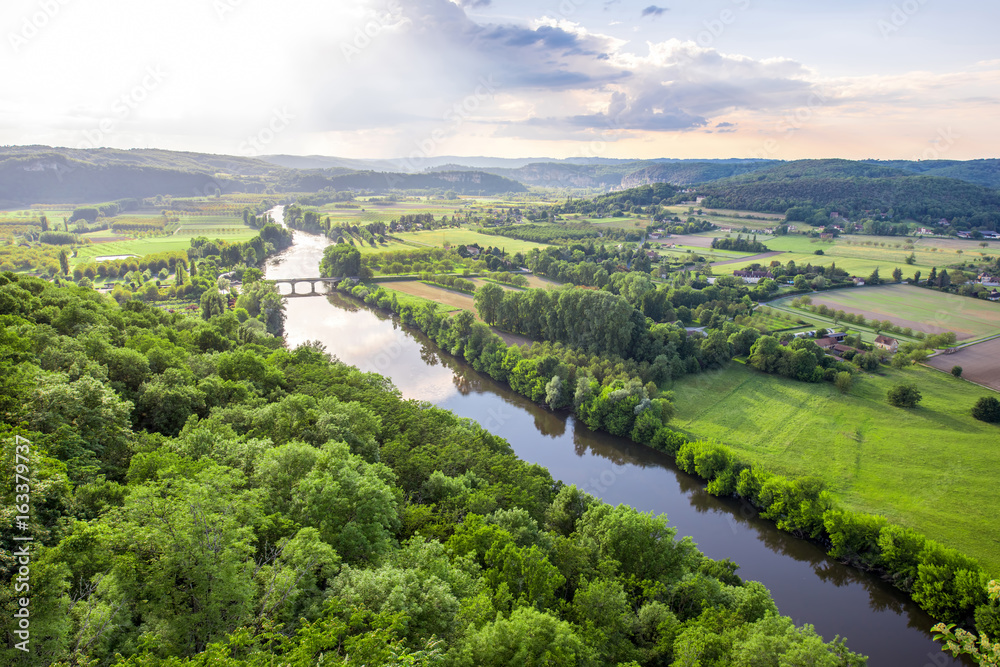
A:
x: 654, y: 11
x: 556, y: 80
x: 475, y: 3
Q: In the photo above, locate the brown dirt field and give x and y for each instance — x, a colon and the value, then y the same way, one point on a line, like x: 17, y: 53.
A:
x: 688, y: 240
x: 980, y: 363
x: 450, y: 298
x: 479, y: 282
x: 538, y: 281
x: 439, y: 294
x: 751, y: 258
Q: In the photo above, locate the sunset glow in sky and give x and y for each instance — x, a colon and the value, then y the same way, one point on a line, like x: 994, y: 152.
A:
x: 506, y: 78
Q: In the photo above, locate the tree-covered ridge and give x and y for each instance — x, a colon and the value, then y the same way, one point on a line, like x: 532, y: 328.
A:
x: 200, y: 497
x: 858, y: 189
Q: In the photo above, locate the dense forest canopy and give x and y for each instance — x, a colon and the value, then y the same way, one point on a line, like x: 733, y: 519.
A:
x: 200, y: 497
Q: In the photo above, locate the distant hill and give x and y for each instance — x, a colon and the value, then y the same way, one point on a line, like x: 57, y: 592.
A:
x: 41, y: 174
x: 462, y: 182
x: 980, y: 172
x: 854, y: 188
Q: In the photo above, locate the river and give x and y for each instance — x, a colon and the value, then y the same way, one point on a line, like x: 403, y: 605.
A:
x: 877, y: 620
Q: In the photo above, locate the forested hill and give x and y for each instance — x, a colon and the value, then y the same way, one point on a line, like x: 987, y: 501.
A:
x: 463, y: 182
x: 40, y: 174
x: 855, y: 188
x: 625, y: 175
x: 980, y: 172
x: 629, y: 174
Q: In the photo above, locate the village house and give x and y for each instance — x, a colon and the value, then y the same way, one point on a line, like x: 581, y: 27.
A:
x: 752, y: 277
x: 826, y: 343
x: 924, y: 231
x: 993, y: 296
x: 472, y: 250
x: 888, y: 344
x: 858, y: 282
x: 986, y: 280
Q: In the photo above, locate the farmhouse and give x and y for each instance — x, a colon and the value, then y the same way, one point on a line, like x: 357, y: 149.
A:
x: 994, y: 296
x: 859, y: 282
x: 886, y: 343
x: 986, y: 280
x: 826, y: 343
x: 752, y: 277
x: 472, y: 250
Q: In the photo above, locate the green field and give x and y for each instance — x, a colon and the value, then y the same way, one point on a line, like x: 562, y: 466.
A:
x: 860, y: 255
x: 150, y: 245
x: 932, y: 468
x: 915, y: 307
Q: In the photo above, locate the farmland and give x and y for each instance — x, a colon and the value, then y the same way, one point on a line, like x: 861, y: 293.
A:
x: 153, y: 244
x: 980, y: 362
x: 916, y: 308
x: 860, y: 255
x: 452, y: 236
x: 929, y: 468
x: 450, y: 298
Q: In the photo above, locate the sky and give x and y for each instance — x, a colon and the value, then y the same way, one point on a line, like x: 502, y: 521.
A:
x: 905, y: 79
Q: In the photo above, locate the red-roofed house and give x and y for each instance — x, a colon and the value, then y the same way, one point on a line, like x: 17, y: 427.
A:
x: 888, y: 344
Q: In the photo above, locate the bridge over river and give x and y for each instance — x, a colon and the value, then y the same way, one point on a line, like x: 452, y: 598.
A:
x: 294, y: 282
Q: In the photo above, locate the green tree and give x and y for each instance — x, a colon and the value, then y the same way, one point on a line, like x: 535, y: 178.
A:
x: 987, y: 409
x: 843, y: 381
x: 981, y: 649
x: 897, y: 275
x: 488, y: 299
x: 184, y: 548
x: 956, y: 371
x: 530, y: 638
x: 212, y: 304
x: 350, y: 502
x: 340, y: 261
x: 904, y: 396
x: 64, y: 262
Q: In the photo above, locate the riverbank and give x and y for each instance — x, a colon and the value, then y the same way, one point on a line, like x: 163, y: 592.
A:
x: 805, y: 582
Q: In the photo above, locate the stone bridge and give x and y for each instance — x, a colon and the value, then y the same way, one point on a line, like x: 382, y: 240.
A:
x: 293, y: 283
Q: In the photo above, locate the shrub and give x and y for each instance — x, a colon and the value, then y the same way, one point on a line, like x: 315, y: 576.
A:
x: 904, y: 396
x: 987, y: 409
x: 956, y: 371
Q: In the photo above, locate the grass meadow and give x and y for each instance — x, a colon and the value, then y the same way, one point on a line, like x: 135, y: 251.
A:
x: 918, y: 308
x: 860, y: 255
x: 932, y: 468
